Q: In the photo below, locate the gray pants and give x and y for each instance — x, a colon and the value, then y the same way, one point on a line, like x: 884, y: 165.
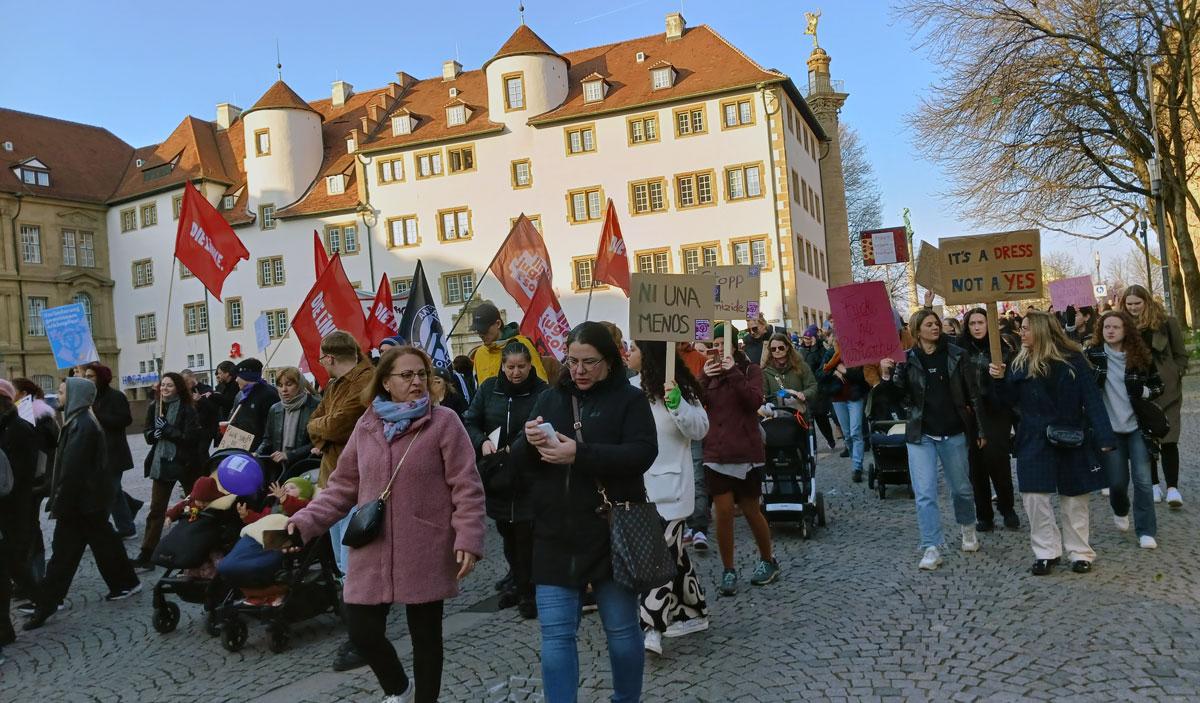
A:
x: 699, y: 521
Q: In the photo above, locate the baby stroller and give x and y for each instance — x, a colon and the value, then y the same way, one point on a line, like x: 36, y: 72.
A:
x: 889, y: 457
x: 311, y: 577
x: 789, y: 477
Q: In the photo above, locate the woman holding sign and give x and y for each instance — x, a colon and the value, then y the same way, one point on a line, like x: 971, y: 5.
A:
x: 1062, y: 414
x: 933, y: 382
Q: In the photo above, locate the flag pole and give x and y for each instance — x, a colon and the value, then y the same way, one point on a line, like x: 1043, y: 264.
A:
x: 208, y: 329
x: 587, y: 314
x: 162, y: 364
x: 475, y: 289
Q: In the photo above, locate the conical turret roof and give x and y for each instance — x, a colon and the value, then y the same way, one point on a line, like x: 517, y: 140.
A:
x: 524, y: 41
x: 281, y: 96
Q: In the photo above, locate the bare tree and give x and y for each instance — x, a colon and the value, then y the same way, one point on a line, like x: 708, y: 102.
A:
x: 1061, y: 264
x: 864, y: 210
x: 1127, y: 269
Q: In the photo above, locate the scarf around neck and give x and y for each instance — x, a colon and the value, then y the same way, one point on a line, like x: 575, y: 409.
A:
x: 398, y: 416
x: 245, y: 393
x: 291, y: 418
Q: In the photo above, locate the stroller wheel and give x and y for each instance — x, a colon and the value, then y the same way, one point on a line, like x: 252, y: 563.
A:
x: 233, y: 635
x: 805, y: 532
x: 280, y: 638
x: 820, y: 503
x: 881, y: 490
x: 212, y: 625
x: 166, y: 618
x: 871, y: 476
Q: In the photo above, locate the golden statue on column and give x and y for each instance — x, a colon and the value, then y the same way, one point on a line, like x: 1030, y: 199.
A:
x: 812, y: 18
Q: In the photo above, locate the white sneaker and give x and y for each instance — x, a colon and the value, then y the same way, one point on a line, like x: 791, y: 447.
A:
x: 686, y: 627
x: 687, y: 536
x: 931, y: 560
x: 403, y: 697
x: 1173, y: 498
x: 1147, y: 542
x: 699, y: 541
x: 1122, y: 523
x: 653, y: 641
x: 1158, y: 494
x: 970, y: 540
x: 1104, y: 492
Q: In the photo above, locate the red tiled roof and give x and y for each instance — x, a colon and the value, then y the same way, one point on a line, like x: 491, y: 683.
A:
x: 280, y: 95
x: 85, y: 162
x: 195, y: 149
x: 523, y: 41
x: 426, y: 101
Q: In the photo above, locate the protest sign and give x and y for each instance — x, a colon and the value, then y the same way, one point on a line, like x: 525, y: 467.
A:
x: 866, y: 329
x: 70, y: 336
x: 988, y: 268
x: 262, y: 333
x: 884, y: 246
x: 737, y: 291
x: 671, y: 307
x: 929, y: 270
x: 1077, y: 291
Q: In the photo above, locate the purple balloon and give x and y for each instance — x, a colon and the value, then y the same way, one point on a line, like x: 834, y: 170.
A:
x: 240, y: 474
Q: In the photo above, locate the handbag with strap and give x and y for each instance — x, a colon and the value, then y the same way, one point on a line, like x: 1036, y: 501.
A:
x: 364, y: 527
x: 1061, y: 435
x: 640, y: 560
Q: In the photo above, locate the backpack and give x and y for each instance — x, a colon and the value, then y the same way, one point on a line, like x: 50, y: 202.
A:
x: 6, y: 475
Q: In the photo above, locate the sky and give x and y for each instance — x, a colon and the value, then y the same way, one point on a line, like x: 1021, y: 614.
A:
x: 138, y: 68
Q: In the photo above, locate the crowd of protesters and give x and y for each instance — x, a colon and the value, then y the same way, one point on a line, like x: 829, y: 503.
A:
x: 1084, y: 400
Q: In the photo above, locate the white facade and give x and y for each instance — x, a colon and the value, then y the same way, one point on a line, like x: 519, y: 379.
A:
x: 282, y: 171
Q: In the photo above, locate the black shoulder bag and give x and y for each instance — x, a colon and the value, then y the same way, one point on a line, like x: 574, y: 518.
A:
x: 365, y: 525
x: 640, y: 560
x: 1060, y: 435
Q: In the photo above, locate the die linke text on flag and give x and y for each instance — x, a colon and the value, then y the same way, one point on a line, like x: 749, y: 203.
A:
x: 381, y: 320
x: 205, y: 243
x: 320, y: 256
x: 330, y: 305
x: 522, y: 259
x: 612, y: 263
x: 544, y: 323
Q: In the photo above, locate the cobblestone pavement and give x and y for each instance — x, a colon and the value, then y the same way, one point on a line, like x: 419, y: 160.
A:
x: 850, y: 619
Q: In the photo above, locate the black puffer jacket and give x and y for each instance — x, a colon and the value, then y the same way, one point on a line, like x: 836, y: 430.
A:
x: 81, y: 485
x: 571, y: 544
x: 112, y: 412
x: 909, y: 379
x: 499, y: 403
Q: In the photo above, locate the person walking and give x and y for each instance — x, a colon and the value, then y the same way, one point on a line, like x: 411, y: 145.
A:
x: 788, y: 379
x: 848, y: 388
x: 1053, y: 390
x: 696, y: 532
x: 991, y: 464
x: 1125, y: 374
x: 177, y: 446
x: 495, y: 335
x: 80, y: 497
x: 574, y: 475
x: 253, y: 401
x: 21, y: 516
x: 1162, y: 334
x: 208, y: 411
x: 812, y: 350
x: 755, y: 340
x: 225, y: 393
x: 286, y: 440
x: 932, y: 383
x: 676, y: 608
x: 734, y: 455
x: 111, y: 408
x: 19, y: 442
x: 431, y: 534
x: 500, y: 408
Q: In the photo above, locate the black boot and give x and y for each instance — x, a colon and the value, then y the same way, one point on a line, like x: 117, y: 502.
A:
x: 348, y: 658
x: 528, y: 608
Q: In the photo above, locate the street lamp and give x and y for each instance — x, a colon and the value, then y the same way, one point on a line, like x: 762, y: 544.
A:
x: 369, y: 219
x: 1097, y: 255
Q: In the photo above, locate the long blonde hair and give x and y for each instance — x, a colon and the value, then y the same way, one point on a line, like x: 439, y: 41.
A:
x: 1050, y: 344
x: 1153, y: 315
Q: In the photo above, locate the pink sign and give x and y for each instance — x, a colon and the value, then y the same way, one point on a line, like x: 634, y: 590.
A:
x: 865, y: 327
x: 1076, y: 291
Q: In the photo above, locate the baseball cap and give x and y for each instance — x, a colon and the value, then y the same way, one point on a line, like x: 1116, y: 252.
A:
x: 484, y: 317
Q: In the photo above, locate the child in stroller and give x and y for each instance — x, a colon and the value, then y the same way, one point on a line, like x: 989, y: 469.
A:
x: 889, y: 457
x: 250, y: 566
x: 789, y: 491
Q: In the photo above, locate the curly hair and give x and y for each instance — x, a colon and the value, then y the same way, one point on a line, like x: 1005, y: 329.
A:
x: 1137, y: 354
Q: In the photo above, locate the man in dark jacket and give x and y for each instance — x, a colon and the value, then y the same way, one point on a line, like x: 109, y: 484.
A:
x: 19, y: 444
x: 226, y: 391
x: 253, y: 401
x: 112, y: 412
x: 207, y: 409
x: 80, y: 497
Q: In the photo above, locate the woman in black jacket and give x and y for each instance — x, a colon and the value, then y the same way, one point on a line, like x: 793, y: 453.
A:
x: 112, y: 412
x: 80, y: 496
x: 286, y: 440
x: 614, y: 446
x: 991, y: 464
x: 21, y: 516
x: 501, y: 405
x: 176, y: 446
x: 18, y: 441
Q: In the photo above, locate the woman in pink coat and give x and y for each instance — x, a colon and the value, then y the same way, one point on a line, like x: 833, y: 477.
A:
x: 432, y: 531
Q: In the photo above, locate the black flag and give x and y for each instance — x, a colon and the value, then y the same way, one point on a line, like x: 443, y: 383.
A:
x: 420, y: 326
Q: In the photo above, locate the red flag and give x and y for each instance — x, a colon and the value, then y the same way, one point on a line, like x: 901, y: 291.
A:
x: 330, y: 305
x: 205, y: 243
x: 521, y: 261
x: 544, y: 323
x: 381, y: 320
x: 320, y: 256
x: 612, y: 263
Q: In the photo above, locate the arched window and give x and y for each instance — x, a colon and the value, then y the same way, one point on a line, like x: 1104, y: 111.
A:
x: 86, y: 301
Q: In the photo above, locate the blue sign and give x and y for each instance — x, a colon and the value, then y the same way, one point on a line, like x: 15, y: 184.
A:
x: 70, y: 336
x: 262, y: 335
x: 139, y: 379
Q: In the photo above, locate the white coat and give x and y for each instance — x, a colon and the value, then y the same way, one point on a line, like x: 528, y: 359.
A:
x: 670, y: 483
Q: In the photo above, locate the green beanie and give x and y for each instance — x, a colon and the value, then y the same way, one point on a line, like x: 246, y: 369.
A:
x: 305, y: 486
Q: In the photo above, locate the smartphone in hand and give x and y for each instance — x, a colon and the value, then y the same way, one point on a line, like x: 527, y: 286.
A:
x: 551, y: 435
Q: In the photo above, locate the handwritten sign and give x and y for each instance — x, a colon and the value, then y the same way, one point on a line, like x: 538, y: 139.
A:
x: 737, y: 291
x: 70, y: 335
x: 884, y: 246
x: 1077, y: 291
x: 866, y: 328
x: 671, y: 308
x: 929, y: 268
x: 988, y: 268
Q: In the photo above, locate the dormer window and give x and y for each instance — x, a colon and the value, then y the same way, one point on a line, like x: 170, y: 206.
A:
x: 8, y: 146
x: 456, y: 115
x: 335, y: 185
x: 594, y: 88
x: 227, y: 202
x: 662, y: 75
x: 33, y: 173
x: 402, y: 124
x: 351, y: 145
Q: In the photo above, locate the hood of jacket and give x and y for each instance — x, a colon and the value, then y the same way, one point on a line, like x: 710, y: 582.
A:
x: 81, y: 393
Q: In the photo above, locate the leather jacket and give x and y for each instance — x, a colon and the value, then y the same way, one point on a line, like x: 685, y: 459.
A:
x: 908, y: 378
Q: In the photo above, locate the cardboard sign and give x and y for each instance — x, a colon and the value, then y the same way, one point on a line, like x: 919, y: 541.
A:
x: 988, y: 268
x: 929, y: 268
x: 670, y: 307
x: 866, y: 328
x: 1077, y: 291
x: 236, y: 438
x: 70, y: 335
x: 737, y: 291
x: 884, y: 246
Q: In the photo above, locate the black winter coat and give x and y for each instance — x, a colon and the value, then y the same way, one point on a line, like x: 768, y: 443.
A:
x: 273, y: 440
x: 571, y: 545
x: 498, y: 403
x: 19, y: 441
x: 191, y: 445
x: 222, y: 397
x: 909, y: 379
x: 995, y: 416
x: 208, y: 411
x: 112, y: 411
x: 79, y: 485
x: 252, y: 416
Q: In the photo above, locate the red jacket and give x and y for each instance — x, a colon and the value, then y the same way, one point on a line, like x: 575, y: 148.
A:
x: 732, y: 400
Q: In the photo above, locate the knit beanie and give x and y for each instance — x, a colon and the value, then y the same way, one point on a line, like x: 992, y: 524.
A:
x: 304, y: 485
x: 205, y: 489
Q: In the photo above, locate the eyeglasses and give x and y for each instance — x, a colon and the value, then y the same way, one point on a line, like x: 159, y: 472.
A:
x: 407, y: 376
x: 587, y: 364
x: 775, y: 349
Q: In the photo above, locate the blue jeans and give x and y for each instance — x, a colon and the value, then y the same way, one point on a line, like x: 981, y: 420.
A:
x: 1131, y: 460
x: 850, y: 417
x: 699, y: 520
x: 559, y: 613
x: 922, y: 469
x: 341, y: 553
